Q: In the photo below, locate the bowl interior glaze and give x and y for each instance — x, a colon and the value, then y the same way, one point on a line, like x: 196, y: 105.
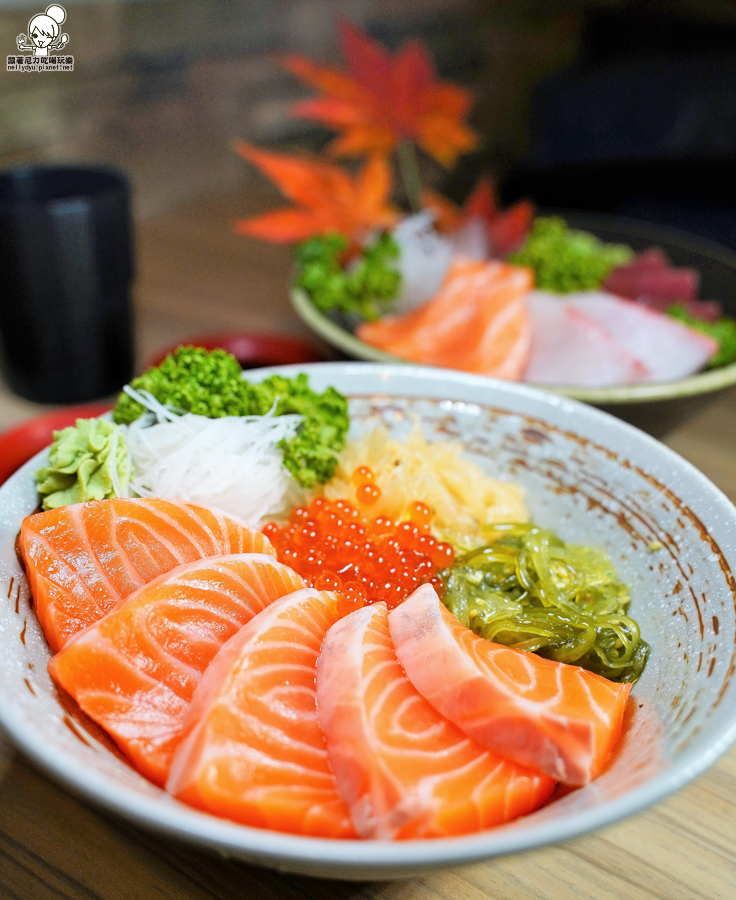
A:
x: 587, y: 475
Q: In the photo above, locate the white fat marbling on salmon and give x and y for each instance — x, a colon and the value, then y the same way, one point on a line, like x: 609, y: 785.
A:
x: 85, y: 559
x: 135, y: 670
x: 558, y: 718
x: 404, y: 770
x: 253, y: 749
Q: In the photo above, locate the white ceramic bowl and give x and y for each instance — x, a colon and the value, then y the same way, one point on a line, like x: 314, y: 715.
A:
x: 589, y: 476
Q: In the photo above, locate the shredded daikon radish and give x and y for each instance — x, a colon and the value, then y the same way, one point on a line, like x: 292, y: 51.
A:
x: 159, y: 412
x: 233, y: 463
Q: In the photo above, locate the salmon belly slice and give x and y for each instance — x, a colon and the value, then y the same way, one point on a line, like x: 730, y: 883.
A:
x: 83, y: 560
x: 477, y: 322
x: 405, y: 770
x: 555, y: 717
x: 254, y: 751
x: 135, y: 670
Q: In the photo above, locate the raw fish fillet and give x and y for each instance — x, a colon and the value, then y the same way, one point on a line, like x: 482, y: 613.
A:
x: 651, y: 279
x: 470, y: 241
x: 254, y: 751
x: 135, y: 670
x: 651, y: 258
x: 651, y: 276
x: 477, y: 322
x: 551, y: 716
x: 83, y: 560
x: 570, y: 348
x: 424, y: 258
x: 593, y: 339
x: 405, y: 770
x: 669, y: 349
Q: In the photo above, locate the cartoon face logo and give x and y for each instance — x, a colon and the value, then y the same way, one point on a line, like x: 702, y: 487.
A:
x: 43, y: 32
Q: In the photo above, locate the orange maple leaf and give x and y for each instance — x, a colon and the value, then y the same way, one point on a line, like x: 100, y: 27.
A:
x: 328, y: 198
x: 506, y: 228
x: 381, y: 101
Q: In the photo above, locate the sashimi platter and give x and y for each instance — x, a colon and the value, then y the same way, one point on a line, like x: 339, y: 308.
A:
x: 556, y: 306
x: 358, y: 620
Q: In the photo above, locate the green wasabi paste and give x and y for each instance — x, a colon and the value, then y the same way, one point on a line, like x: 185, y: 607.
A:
x: 87, y: 461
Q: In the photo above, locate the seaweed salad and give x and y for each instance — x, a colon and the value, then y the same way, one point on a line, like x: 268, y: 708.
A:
x: 529, y: 590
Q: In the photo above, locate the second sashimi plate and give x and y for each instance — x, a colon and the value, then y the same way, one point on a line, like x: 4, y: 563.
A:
x: 588, y: 476
x: 654, y: 407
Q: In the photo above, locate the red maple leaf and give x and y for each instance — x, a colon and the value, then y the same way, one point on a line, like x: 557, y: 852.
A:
x: 381, y: 101
x: 506, y: 228
x: 327, y: 198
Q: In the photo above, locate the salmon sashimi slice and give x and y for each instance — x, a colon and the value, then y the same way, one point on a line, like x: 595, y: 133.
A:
x: 477, y: 322
x: 552, y: 716
x: 83, y: 560
x: 135, y: 670
x: 405, y: 770
x: 254, y: 751
x: 439, y: 318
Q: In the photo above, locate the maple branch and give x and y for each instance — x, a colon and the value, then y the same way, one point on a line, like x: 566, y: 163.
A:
x: 409, y: 166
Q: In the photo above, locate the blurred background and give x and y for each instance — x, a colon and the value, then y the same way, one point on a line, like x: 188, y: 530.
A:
x: 624, y: 107
x: 631, y: 106
x: 162, y: 87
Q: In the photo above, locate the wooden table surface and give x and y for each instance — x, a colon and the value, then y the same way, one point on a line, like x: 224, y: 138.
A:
x: 195, y: 276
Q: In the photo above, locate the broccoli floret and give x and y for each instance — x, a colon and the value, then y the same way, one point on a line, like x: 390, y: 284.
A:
x: 367, y: 286
x: 210, y: 383
x: 564, y: 260
x: 204, y: 382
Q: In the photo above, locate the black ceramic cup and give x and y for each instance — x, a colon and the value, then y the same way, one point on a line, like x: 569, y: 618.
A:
x: 66, y: 272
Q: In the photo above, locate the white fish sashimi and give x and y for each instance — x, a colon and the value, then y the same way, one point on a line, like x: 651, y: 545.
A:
x: 423, y: 262
x: 670, y: 349
x: 570, y: 349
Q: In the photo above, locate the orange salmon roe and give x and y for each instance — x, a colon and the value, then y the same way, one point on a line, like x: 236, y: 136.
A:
x: 368, y: 494
x: 335, y: 547
x: 361, y: 475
